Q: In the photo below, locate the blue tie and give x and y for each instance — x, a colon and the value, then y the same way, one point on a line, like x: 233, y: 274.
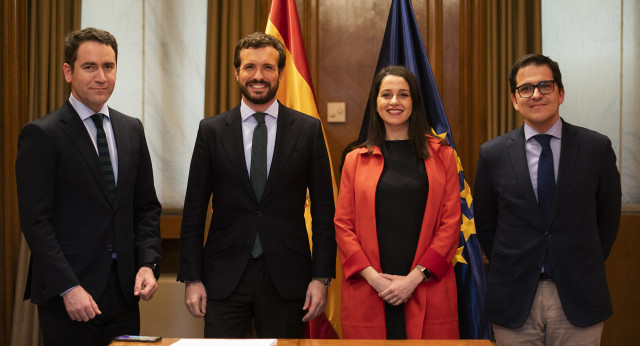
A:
x: 546, y: 178
x: 546, y: 188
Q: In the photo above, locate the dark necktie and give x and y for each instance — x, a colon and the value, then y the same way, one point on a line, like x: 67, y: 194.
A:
x: 546, y: 188
x: 258, y: 172
x: 546, y: 178
x: 105, y: 159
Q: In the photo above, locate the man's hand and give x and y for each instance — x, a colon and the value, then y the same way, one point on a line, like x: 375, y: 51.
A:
x: 80, y: 305
x: 315, y: 300
x: 401, y: 287
x: 195, y: 298
x: 146, y: 284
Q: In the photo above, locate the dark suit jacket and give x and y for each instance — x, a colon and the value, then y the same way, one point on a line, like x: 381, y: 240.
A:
x: 583, y: 226
x: 66, y: 216
x: 219, y: 172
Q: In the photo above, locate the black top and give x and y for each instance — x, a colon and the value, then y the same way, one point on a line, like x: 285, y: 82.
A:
x: 401, y: 198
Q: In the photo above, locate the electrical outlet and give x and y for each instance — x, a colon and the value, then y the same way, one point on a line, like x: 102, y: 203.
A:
x: 336, y: 112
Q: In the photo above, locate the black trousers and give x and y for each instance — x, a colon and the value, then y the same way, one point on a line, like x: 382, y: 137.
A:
x: 118, y: 317
x: 395, y: 321
x: 256, y: 300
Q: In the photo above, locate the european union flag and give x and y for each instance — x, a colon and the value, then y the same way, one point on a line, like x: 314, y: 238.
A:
x: 402, y: 45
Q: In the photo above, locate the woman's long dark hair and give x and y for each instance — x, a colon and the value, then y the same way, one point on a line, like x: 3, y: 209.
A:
x: 418, y: 123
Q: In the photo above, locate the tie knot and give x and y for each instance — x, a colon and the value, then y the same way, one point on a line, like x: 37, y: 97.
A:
x: 259, y: 117
x: 97, y: 119
x: 543, y: 140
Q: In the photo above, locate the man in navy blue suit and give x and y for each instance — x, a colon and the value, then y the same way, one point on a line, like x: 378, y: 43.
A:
x: 547, y: 204
x: 88, y: 205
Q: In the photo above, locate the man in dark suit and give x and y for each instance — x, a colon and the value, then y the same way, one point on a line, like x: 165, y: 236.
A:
x: 88, y: 205
x: 255, y: 163
x: 547, y: 205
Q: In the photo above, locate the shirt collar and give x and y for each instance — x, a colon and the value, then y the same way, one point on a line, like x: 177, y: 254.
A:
x: 555, y: 131
x: 246, y: 111
x: 85, y: 112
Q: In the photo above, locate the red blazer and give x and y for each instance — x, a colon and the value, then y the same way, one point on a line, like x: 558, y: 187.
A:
x: 432, y: 311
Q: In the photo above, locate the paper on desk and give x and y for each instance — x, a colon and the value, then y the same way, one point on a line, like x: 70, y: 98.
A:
x: 225, y: 342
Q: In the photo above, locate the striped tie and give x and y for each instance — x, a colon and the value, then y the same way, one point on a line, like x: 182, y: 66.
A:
x: 105, y: 159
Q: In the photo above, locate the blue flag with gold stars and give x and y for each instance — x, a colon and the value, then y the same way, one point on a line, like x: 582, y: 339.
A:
x: 402, y: 45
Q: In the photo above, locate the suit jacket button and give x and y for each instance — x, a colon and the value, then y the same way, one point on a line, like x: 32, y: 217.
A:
x: 547, y: 235
x: 250, y: 242
x: 258, y: 213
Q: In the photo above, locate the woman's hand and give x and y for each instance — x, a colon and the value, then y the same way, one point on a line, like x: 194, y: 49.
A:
x: 401, y: 287
x: 375, y: 279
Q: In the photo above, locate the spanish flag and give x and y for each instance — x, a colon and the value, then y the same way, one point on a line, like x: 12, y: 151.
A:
x: 296, y: 92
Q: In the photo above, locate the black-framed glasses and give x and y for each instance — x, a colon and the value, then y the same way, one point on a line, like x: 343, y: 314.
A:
x: 527, y: 90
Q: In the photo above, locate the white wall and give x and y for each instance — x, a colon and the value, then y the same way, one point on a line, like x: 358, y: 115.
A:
x: 630, y: 131
x: 596, y: 44
x: 160, y: 78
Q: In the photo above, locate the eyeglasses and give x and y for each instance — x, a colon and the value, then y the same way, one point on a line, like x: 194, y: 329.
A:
x: 527, y: 90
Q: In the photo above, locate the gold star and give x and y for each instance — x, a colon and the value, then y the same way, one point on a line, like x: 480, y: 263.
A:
x: 466, y: 193
x: 458, y: 258
x: 439, y: 135
x: 458, y: 162
x: 468, y: 227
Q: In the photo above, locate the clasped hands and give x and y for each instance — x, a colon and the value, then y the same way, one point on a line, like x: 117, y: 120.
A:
x: 393, y: 289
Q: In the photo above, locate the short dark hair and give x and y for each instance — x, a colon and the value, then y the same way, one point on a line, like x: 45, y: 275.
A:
x: 74, y: 39
x: 260, y: 40
x: 535, y: 59
x: 419, y: 125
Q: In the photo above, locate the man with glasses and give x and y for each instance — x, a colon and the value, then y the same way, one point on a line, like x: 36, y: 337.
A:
x: 547, y: 202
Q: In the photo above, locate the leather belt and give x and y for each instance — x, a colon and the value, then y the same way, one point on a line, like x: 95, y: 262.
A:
x: 544, y: 276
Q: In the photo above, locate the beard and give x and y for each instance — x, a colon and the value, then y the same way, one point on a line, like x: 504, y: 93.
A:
x: 259, y: 99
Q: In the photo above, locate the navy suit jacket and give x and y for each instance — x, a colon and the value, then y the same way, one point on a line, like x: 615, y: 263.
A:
x: 584, y: 223
x: 218, y: 173
x: 66, y: 217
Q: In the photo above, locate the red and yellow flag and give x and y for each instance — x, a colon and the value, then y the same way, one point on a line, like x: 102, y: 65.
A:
x: 296, y: 92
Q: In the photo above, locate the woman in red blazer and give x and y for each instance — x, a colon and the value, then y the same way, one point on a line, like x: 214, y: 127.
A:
x: 398, y: 221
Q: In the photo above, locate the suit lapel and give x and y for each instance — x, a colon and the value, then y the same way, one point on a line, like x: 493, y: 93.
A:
x: 286, y: 138
x: 122, y: 139
x: 231, y: 139
x: 78, y: 135
x: 518, y: 156
x: 568, y: 154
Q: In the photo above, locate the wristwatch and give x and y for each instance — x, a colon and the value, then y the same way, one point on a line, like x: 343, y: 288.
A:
x: 325, y: 281
x: 426, y: 273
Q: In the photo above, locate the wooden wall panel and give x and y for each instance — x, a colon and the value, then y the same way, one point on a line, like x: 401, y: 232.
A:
x: 623, y: 276
x: 473, y: 61
x: 349, y: 42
